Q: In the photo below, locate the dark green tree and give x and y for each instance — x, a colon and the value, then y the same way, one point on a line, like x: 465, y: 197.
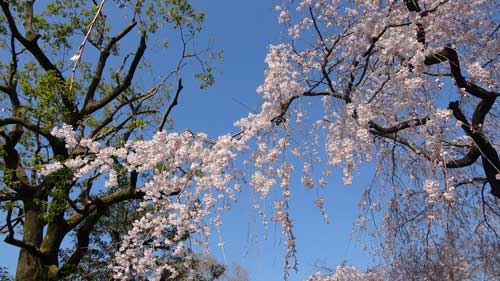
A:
x: 78, y: 62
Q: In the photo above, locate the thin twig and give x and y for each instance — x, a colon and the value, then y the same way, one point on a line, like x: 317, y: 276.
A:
x: 79, y: 53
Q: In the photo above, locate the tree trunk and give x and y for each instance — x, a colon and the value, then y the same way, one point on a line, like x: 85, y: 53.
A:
x: 29, y: 266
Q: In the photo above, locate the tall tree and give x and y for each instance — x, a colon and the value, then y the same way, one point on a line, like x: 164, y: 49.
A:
x: 76, y: 63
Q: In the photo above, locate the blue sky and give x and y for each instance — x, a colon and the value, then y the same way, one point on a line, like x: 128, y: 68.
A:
x: 244, y: 29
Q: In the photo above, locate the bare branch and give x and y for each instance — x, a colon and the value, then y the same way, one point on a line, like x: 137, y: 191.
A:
x: 110, y: 117
x: 171, y: 106
x: 10, y: 239
x: 91, y: 107
x: 122, y: 124
x: 96, y: 78
x: 400, y: 126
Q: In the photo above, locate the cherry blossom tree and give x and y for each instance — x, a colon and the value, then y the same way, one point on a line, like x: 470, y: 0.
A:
x: 407, y: 87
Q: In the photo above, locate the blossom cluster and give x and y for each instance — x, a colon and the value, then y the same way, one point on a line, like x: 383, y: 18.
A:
x: 191, y: 167
x: 347, y: 273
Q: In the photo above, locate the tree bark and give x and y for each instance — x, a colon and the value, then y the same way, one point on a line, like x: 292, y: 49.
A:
x: 30, y: 267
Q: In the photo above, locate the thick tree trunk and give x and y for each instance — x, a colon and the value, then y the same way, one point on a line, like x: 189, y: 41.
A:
x: 31, y: 267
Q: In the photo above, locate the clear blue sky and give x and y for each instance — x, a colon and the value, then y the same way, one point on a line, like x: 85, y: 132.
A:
x: 244, y: 29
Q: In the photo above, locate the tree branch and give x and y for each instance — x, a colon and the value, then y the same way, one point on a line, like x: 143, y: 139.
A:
x: 31, y: 44
x: 412, y: 5
x: 449, y: 54
x: 27, y: 125
x: 171, y: 106
x: 103, y: 57
x: 400, y: 126
x: 489, y: 156
x: 82, y: 237
x: 122, y: 86
x: 104, y: 202
x: 110, y: 117
x: 10, y: 239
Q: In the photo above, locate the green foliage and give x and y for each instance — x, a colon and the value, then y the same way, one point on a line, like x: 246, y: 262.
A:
x: 59, y: 181
x: 177, y: 12
x: 206, y: 78
x: 45, y: 93
x: 64, y: 19
x: 10, y: 181
x: 139, y: 124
